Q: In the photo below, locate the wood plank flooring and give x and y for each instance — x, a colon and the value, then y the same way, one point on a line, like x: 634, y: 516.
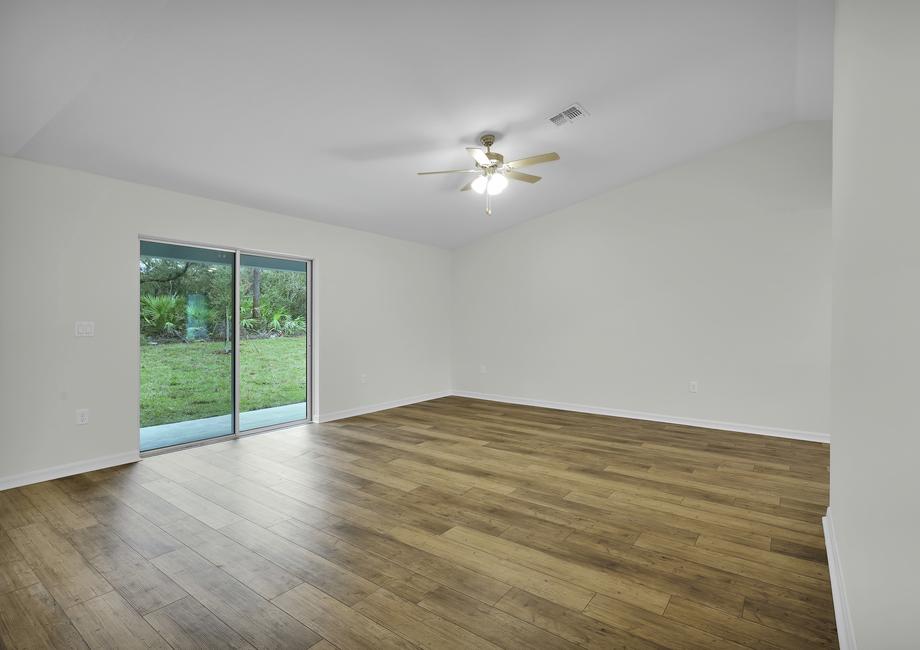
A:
x: 453, y: 523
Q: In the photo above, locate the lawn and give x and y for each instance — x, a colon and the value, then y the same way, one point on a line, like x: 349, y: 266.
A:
x: 187, y: 381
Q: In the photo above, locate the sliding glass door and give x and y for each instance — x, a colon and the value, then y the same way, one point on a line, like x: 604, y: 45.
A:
x: 186, y: 323
x: 224, y: 339
x: 273, y: 341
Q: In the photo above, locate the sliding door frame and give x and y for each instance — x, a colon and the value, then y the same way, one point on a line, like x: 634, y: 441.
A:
x: 308, y: 351
x: 235, y: 371
x: 236, y: 344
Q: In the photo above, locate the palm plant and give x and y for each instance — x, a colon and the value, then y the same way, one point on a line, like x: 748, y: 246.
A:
x: 248, y: 322
x: 275, y: 319
x: 294, y: 325
x: 162, y: 314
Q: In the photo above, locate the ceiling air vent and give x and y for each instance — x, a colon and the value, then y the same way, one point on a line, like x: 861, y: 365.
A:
x: 570, y: 114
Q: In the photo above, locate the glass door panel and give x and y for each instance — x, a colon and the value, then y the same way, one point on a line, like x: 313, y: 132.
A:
x: 186, y: 341
x: 274, y: 339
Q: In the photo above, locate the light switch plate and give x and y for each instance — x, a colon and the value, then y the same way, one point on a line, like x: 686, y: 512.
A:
x: 84, y: 328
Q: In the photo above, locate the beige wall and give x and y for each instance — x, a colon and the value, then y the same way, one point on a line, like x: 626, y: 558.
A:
x: 875, y: 481
x: 715, y: 271
x: 68, y: 251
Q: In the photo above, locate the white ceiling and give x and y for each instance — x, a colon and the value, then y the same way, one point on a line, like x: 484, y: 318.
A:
x: 327, y: 110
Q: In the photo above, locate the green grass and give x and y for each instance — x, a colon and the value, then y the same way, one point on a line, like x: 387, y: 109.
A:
x: 187, y: 381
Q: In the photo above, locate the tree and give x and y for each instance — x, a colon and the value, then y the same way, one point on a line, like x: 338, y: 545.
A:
x: 256, y: 293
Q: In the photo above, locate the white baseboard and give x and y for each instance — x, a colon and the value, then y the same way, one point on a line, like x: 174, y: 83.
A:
x: 382, y: 406
x: 59, y: 471
x: 47, y: 474
x: 50, y: 473
x: 654, y: 417
x: 845, y: 636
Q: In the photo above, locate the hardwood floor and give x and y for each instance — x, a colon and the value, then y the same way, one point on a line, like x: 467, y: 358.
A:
x: 454, y: 523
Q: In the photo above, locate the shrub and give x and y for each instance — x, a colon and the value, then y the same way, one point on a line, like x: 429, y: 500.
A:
x: 162, y: 315
x: 294, y: 326
x: 275, y: 317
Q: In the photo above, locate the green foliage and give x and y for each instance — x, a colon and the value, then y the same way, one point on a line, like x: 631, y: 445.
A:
x: 219, y: 323
x: 283, y: 304
x: 166, y: 284
x: 295, y: 326
x: 250, y: 325
x: 199, y: 312
x: 162, y: 315
x: 275, y: 319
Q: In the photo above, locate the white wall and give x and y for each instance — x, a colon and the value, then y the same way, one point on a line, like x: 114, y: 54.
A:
x: 875, y: 458
x: 68, y: 251
x: 714, y: 271
x: 717, y: 271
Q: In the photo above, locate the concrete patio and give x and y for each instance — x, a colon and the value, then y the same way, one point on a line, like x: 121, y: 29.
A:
x: 178, y: 433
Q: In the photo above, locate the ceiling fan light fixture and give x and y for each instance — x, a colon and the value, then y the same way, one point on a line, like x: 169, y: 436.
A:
x: 493, y: 173
x: 479, y: 184
x: 497, y: 184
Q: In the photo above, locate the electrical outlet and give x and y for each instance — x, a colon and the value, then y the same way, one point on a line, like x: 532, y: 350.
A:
x: 483, y: 370
x: 82, y: 416
x: 363, y: 378
x: 84, y: 328
x: 694, y: 386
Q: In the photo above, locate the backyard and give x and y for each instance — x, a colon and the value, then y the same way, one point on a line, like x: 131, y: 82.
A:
x: 188, y: 381
x: 187, y: 324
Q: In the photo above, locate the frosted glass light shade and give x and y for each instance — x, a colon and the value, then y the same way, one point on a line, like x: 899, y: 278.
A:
x: 497, y: 184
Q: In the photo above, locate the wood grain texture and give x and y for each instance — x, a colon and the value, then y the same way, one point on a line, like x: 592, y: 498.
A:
x: 108, y: 621
x: 187, y: 624
x: 453, y: 523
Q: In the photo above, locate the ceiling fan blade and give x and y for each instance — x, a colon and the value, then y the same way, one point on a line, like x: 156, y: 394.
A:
x: 451, y: 171
x: 480, y: 156
x: 521, y: 176
x: 467, y: 186
x: 533, y: 160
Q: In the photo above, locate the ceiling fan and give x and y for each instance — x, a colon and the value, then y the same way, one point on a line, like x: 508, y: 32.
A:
x: 492, y: 172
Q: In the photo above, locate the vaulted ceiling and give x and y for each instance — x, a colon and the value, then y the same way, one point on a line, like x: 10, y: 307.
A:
x: 327, y: 110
